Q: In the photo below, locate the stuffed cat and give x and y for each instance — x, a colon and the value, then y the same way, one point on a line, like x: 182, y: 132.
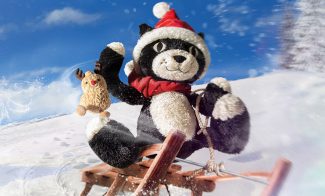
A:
x: 167, y: 59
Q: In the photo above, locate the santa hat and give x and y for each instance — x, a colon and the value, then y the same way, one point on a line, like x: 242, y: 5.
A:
x: 170, y: 26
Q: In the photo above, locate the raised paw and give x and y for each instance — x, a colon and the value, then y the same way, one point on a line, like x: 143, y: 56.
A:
x: 111, y: 59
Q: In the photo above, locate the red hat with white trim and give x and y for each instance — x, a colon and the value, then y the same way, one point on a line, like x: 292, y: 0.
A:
x: 170, y: 26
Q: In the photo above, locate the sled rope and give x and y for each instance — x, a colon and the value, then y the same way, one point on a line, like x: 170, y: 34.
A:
x: 211, y: 165
x: 167, y: 189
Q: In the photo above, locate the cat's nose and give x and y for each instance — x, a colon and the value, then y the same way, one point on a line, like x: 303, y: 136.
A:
x: 179, y: 58
x: 93, y: 82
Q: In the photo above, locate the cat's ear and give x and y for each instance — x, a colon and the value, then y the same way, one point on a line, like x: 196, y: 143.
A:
x: 144, y: 28
x: 201, y: 35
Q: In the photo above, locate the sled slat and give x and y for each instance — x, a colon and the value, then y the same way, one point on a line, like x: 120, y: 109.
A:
x: 190, y: 182
x: 172, y: 168
x: 191, y: 173
x: 116, y: 186
x: 161, y: 163
x: 277, y: 177
x: 98, y: 179
x: 196, y: 193
x: 86, y: 190
x: 96, y: 168
x: 137, y: 170
x: 151, y: 150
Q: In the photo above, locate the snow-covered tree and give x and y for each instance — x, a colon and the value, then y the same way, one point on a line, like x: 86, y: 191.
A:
x: 308, y: 51
x: 286, y: 32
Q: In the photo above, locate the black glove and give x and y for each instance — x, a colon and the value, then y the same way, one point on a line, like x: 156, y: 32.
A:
x: 110, y: 61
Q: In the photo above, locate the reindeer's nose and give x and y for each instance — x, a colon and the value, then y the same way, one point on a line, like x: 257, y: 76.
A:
x: 179, y: 58
x: 93, y: 82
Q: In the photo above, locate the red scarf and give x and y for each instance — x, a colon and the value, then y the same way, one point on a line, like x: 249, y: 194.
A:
x: 150, y: 87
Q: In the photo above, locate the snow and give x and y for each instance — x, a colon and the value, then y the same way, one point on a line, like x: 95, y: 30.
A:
x: 34, y: 98
x: 288, y: 119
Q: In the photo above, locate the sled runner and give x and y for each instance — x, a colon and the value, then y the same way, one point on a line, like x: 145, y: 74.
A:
x: 146, y: 177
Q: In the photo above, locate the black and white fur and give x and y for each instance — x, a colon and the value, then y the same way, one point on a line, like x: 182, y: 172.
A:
x: 172, y: 60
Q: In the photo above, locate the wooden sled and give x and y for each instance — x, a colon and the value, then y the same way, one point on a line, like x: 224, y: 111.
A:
x: 148, y: 176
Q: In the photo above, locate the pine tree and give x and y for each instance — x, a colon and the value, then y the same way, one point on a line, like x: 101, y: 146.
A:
x: 308, y: 51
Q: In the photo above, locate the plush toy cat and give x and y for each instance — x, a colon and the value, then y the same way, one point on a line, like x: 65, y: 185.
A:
x: 95, y: 96
x: 167, y: 59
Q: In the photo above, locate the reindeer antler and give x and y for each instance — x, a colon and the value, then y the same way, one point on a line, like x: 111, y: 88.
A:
x: 79, y: 74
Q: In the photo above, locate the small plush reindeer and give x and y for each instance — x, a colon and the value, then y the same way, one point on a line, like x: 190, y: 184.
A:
x: 95, y: 96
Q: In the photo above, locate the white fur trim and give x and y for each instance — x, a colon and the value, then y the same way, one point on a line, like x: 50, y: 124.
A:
x: 117, y: 47
x: 172, y: 33
x: 129, y: 66
x: 171, y: 111
x: 160, y: 9
x: 227, y: 107
x: 222, y: 83
x: 94, y: 125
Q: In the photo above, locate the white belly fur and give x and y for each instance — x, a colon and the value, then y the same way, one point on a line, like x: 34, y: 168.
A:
x: 171, y: 111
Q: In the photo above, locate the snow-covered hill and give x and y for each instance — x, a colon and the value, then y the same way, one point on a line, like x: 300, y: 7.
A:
x: 288, y: 120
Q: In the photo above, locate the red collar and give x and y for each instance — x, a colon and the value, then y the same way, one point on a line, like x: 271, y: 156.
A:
x: 150, y: 87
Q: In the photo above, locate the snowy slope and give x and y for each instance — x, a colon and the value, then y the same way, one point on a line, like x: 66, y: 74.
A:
x: 288, y: 119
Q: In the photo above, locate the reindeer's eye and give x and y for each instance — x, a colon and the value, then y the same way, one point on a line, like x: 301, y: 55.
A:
x: 86, y: 82
x: 160, y: 46
x: 193, y: 50
x: 98, y: 80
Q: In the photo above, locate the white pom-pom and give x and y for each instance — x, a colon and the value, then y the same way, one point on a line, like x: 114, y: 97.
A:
x: 160, y: 9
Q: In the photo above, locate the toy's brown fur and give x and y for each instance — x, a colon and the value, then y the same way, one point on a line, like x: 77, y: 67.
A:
x: 95, y: 95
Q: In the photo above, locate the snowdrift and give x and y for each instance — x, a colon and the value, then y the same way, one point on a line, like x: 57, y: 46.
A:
x: 288, y: 119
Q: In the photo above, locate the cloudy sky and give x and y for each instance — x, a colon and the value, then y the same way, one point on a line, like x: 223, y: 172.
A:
x: 41, y: 42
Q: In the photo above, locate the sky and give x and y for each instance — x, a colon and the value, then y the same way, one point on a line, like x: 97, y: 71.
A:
x: 42, y: 42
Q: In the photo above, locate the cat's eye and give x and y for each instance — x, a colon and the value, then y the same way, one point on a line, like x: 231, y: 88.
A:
x: 160, y: 46
x: 193, y: 50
